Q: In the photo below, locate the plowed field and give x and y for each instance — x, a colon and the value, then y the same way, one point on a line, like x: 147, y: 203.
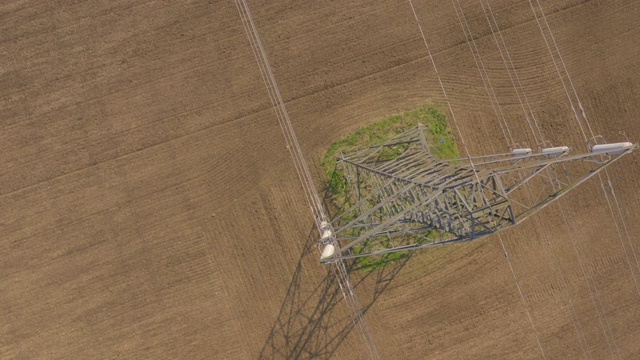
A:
x: 150, y: 208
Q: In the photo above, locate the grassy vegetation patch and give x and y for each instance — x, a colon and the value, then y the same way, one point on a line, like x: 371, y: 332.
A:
x: 440, y: 141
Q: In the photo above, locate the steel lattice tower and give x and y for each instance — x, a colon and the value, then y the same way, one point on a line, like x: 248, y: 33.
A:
x: 398, y: 197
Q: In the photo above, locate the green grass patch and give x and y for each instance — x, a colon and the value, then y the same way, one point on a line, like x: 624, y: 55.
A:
x: 440, y: 141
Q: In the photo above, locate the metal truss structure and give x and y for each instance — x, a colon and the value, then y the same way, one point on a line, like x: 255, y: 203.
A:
x: 398, y: 197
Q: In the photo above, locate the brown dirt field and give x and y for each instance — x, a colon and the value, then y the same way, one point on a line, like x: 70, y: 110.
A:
x: 150, y: 208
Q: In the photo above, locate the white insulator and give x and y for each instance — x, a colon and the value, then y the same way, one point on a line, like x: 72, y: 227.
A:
x: 555, y: 151
x: 521, y: 152
x: 326, y: 234
x: 324, y: 225
x: 615, y: 148
x: 328, y: 251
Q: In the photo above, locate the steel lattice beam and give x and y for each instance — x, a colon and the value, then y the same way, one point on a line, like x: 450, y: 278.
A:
x: 399, y: 197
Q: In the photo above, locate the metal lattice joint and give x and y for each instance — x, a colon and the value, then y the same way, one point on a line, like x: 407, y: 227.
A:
x: 398, y: 197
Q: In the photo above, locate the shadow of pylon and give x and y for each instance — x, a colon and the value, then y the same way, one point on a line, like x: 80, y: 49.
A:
x: 311, y: 324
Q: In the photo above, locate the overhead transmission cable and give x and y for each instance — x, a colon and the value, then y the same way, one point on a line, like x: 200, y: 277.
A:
x: 495, y: 103
x: 520, y: 89
x: 484, y: 75
x: 511, y: 68
x: 490, y: 91
x: 281, y: 113
x: 586, y: 120
x: 584, y: 115
x: 586, y: 275
x: 529, y: 114
x: 455, y: 122
x: 317, y: 209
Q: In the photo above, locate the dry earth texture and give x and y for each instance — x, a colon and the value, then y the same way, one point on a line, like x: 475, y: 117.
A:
x: 150, y: 208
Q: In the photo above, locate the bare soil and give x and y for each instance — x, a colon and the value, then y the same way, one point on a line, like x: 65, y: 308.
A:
x: 150, y: 208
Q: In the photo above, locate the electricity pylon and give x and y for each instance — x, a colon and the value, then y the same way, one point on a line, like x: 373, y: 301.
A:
x: 398, y: 197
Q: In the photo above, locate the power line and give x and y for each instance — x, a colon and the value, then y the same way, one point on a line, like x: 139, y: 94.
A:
x: 511, y: 69
x: 586, y: 120
x: 490, y: 91
x: 281, y: 113
x: 469, y: 157
x: 319, y: 214
x: 479, y: 63
x: 584, y: 274
x: 484, y: 75
x: 524, y: 302
x: 584, y: 115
